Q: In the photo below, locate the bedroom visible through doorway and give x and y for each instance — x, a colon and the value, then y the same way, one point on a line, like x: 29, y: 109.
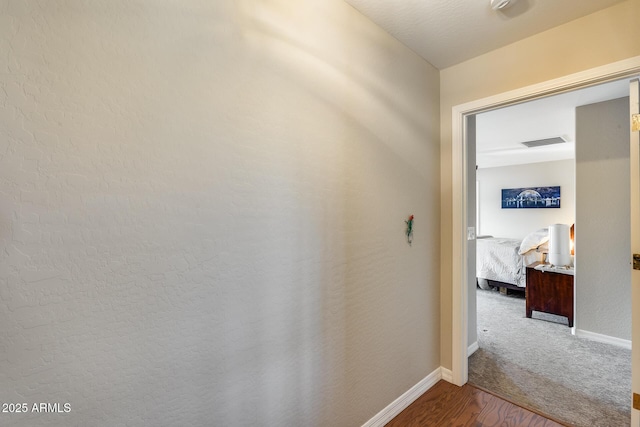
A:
x: 501, y: 162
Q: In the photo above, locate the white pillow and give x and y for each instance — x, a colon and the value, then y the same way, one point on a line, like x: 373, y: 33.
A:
x: 533, y: 240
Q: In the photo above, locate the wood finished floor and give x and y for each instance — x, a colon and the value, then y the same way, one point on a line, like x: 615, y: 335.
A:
x: 446, y: 404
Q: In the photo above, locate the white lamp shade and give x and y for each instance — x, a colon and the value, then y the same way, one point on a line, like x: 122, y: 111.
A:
x: 559, y: 244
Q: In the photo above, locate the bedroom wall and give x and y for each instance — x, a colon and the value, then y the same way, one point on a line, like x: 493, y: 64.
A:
x: 202, y: 213
x: 517, y: 223
x: 594, y: 40
x: 603, y: 277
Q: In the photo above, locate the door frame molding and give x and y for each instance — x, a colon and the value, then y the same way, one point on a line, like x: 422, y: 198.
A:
x: 634, y: 141
x: 617, y: 70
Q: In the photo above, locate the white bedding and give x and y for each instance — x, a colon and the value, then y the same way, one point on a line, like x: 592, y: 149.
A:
x: 498, y: 259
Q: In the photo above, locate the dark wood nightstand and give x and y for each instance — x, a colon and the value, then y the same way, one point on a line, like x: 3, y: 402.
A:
x: 549, y: 292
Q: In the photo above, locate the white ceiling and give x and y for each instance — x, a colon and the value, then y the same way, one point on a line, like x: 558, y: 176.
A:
x: 500, y: 133
x: 447, y: 32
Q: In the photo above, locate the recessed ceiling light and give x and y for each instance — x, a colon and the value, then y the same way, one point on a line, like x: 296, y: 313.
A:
x: 501, y: 4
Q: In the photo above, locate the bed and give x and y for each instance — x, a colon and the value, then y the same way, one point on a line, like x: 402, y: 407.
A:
x: 501, y: 262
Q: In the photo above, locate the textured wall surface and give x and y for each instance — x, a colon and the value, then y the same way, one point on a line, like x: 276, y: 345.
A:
x: 202, y: 210
x: 603, y: 222
x: 517, y: 223
x: 598, y: 39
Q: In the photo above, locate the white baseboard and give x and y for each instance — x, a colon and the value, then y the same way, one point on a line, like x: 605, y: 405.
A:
x: 447, y: 375
x: 604, y: 338
x: 635, y: 418
x: 472, y: 348
x: 400, y: 404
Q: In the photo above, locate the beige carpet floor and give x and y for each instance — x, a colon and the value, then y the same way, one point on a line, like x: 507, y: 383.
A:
x: 538, y: 364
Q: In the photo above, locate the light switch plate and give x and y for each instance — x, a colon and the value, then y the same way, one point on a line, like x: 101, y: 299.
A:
x: 471, y: 233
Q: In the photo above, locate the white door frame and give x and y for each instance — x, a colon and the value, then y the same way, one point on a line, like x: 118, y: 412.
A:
x: 614, y: 71
x: 634, y: 107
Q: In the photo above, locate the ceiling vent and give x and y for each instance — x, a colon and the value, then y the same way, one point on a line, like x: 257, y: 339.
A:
x: 542, y: 142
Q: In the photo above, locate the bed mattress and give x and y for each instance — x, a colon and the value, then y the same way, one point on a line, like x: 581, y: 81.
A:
x: 497, y: 258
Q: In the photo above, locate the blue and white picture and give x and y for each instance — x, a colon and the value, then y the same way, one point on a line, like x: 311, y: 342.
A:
x: 532, y: 197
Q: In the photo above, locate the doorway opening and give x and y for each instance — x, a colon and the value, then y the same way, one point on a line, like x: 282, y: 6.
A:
x: 460, y: 113
x: 518, y: 355
x: 460, y: 217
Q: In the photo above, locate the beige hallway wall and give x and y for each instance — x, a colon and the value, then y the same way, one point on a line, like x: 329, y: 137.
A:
x: 202, y: 213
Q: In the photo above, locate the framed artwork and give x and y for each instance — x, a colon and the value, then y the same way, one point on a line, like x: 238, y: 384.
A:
x: 531, y: 198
